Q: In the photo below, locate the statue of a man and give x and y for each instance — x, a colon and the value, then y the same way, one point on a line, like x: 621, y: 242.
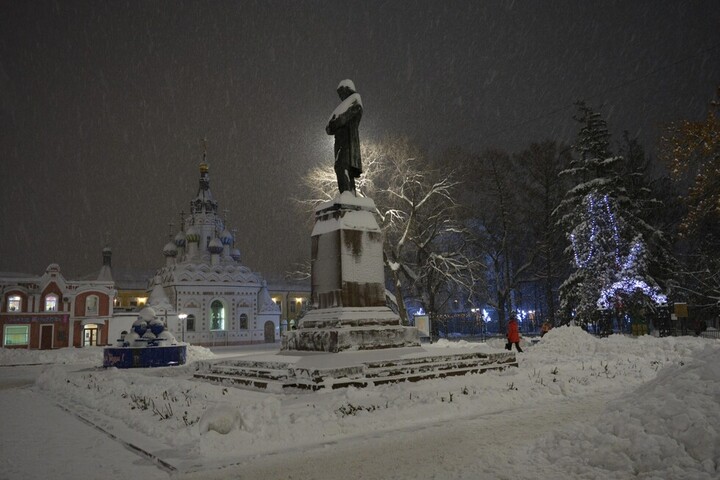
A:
x: 344, y: 124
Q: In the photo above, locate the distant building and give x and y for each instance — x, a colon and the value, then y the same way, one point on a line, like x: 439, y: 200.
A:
x: 49, y: 311
x: 292, y: 297
x: 131, y: 286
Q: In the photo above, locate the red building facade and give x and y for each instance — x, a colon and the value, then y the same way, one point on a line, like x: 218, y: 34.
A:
x: 48, y: 311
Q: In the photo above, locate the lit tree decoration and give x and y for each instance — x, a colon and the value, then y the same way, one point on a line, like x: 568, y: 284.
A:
x: 630, y: 280
x: 629, y: 286
x: 607, y: 237
x: 602, y: 242
x: 597, y: 247
x: 599, y: 211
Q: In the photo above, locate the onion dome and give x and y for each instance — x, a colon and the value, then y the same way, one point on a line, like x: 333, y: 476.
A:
x: 226, y: 237
x: 170, y: 250
x: 193, y: 235
x: 215, y: 246
x: 235, y: 254
x: 180, y: 239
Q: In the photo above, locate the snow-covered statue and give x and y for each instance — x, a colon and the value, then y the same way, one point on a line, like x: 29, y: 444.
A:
x: 344, y: 124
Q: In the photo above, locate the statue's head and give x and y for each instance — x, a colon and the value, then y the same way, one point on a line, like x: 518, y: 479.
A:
x: 346, y: 88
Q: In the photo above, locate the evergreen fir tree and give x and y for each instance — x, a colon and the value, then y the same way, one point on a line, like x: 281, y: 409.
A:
x: 607, y: 252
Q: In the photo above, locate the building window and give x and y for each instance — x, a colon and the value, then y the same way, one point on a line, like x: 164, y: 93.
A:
x: 243, y: 321
x: 91, y: 306
x: 190, y: 322
x: 16, y: 335
x: 217, y: 315
x: 14, y: 303
x: 51, y: 303
x: 292, y: 307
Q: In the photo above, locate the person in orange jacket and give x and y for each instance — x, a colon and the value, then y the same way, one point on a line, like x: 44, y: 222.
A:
x: 513, y: 333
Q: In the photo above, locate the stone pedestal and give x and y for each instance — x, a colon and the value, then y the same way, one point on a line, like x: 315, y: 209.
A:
x: 348, y: 284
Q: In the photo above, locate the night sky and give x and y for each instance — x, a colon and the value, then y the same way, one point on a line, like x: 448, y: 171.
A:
x: 103, y: 104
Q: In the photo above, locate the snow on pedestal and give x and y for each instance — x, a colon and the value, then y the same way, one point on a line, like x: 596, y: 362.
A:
x: 348, y: 284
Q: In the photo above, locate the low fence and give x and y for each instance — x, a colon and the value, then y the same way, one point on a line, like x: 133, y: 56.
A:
x: 469, y: 326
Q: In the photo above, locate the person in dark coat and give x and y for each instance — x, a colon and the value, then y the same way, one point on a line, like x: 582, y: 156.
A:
x: 513, y: 333
x: 344, y: 124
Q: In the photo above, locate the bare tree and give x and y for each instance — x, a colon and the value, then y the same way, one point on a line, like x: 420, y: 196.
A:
x: 542, y: 193
x: 691, y: 149
x: 498, y: 219
x: 425, y: 245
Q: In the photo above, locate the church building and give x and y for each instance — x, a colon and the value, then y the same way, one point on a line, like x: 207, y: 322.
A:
x: 213, y: 298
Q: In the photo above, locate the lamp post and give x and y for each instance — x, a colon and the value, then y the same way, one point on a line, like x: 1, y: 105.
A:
x: 182, y: 317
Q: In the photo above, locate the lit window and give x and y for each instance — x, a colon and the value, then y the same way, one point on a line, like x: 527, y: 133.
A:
x: 51, y: 303
x: 190, y: 322
x: 243, y: 322
x: 217, y: 315
x: 14, y: 303
x: 16, y: 335
x: 91, y: 306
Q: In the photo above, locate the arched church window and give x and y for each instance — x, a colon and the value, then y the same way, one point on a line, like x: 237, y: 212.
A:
x: 217, y: 315
x: 190, y: 322
x: 51, y: 303
x: 243, y: 321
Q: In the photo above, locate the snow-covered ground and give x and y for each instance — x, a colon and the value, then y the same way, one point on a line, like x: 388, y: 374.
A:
x: 577, y: 407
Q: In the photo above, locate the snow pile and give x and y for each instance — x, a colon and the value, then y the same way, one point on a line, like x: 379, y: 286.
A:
x: 667, y: 428
x: 196, y: 353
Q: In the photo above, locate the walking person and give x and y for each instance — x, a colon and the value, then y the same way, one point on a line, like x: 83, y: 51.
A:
x: 513, y: 333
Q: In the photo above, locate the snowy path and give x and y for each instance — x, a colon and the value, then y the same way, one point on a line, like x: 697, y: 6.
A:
x: 476, y: 447
x: 59, y: 446
x: 479, y: 447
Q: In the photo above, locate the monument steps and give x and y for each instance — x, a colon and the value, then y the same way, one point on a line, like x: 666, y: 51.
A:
x: 283, y: 376
x: 239, y: 381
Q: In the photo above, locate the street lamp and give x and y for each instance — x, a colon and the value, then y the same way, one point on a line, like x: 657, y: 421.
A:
x: 182, y: 317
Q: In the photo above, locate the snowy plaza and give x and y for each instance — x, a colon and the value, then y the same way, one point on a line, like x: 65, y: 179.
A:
x: 370, y: 240
x: 577, y: 407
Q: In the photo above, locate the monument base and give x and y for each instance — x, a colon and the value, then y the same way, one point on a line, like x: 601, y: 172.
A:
x: 288, y: 371
x: 350, y: 328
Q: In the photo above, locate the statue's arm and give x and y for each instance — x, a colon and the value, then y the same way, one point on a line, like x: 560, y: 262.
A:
x: 353, y: 112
